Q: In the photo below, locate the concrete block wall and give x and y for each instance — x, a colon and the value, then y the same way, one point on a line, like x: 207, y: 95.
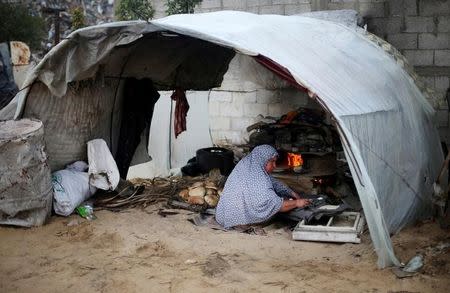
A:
x: 419, y: 29
x: 239, y: 103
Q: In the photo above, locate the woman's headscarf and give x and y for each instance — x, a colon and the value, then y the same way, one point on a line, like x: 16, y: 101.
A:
x: 248, y: 196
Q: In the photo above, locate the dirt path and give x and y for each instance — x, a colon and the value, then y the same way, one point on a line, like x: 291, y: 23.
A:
x: 137, y: 251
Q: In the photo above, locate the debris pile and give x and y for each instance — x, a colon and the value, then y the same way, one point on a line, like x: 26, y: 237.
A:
x: 95, y: 12
x: 195, y: 193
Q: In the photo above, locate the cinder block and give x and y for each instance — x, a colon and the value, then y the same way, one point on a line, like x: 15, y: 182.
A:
x: 272, y: 9
x: 221, y: 96
x: 403, y: 41
x: 442, y: 118
x: 214, y: 108
x: 244, y: 97
x: 253, y: 3
x: 208, y: 4
x: 434, y: 7
x: 419, y: 24
x: 441, y: 83
x: 402, y: 7
x: 443, y: 24
x: 429, y: 81
x: 433, y: 41
x: 276, y: 2
x: 220, y: 123
x: 341, y: 5
x: 253, y: 110
x: 254, y: 9
x: 227, y: 137
x: 343, y: 1
x: 224, y: 109
x: 372, y: 9
x: 234, y: 5
x: 419, y: 57
x: 296, y: 9
x: 381, y: 25
x: 241, y: 124
x: 442, y: 57
x: 278, y: 109
x: 292, y: 101
x: 267, y: 96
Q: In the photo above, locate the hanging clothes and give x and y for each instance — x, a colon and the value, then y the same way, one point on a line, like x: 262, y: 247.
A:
x: 181, y: 109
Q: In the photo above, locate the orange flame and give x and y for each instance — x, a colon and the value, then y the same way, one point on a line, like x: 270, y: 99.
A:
x: 294, y: 160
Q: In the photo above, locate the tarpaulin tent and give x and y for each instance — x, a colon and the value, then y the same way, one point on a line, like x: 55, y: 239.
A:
x: 384, y: 121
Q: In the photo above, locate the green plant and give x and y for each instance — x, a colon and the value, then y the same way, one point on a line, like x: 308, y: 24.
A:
x: 78, y: 20
x: 17, y: 24
x: 181, y: 6
x: 134, y: 9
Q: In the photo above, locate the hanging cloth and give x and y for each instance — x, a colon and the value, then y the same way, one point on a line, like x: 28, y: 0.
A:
x: 181, y: 109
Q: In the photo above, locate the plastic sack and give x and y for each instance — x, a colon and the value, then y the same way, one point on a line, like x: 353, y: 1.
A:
x: 70, y: 189
x: 103, y: 171
x: 79, y: 166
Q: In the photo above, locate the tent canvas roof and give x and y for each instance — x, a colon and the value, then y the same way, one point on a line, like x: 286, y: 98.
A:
x: 384, y: 121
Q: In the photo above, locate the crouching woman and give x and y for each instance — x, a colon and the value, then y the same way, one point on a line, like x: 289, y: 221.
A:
x: 251, y: 195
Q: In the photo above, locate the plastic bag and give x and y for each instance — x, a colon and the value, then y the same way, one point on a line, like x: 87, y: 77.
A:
x: 79, y: 166
x: 103, y: 171
x: 70, y: 189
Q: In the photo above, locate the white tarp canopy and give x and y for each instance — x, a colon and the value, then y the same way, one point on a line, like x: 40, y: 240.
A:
x: 385, y: 122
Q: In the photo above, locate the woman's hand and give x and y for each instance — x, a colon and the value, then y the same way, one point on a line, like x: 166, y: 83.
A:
x: 295, y: 195
x: 301, y: 203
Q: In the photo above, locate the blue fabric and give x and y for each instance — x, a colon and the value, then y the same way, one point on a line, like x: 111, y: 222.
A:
x: 250, y: 193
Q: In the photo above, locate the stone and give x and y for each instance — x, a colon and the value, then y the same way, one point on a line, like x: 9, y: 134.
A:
x: 443, y: 24
x: 403, y: 41
x: 434, y: 41
x: 244, y: 97
x: 241, y: 124
x: 442, y: 57
x: 208, y: 4
x: 221, y: 96
x: 402, y: 7
x: 441, y: 83
x: 341, y: 5
x: 256, y: 3
x: 234, y: 5
x: 220, y: 123
x: 372, y: 9
x: 267, y: 96
x: 381, y: 26
x: 434, y: 7
x: 253, y: 110
x: 296, y: 9
x: 419, y: 24
x: 442, y: 118
x: 419, y: 57
x: 272, y: 9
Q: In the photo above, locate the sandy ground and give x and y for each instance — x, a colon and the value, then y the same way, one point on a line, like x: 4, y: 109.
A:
x: 140, y: 251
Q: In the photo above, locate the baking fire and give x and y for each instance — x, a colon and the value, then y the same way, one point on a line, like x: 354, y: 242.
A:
x: 294, y: 160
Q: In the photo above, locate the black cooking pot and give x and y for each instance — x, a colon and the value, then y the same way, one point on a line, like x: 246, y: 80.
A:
x: 215, y: 157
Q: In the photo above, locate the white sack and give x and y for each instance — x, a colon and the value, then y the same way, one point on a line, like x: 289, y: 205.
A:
x: 79, y: 166
x: 70, y: 189
x: 103, y: 171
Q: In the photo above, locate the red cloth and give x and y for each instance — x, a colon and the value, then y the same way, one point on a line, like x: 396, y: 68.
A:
x: 279, y: 70
x: 181, y: 109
